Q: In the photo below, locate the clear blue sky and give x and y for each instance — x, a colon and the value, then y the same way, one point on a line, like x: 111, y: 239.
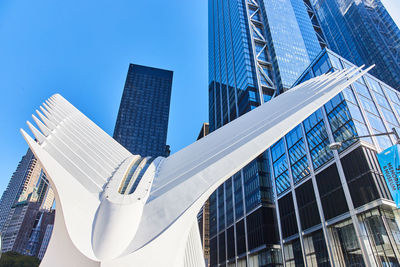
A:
x: 82, y: 49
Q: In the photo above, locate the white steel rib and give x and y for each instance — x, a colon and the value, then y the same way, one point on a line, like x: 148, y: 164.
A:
x: 117, y: 209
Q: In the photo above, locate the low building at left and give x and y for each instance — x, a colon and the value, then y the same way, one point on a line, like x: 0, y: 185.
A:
x: 26, y: 209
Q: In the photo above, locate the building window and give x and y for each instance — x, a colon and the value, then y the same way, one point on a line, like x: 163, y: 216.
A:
x: 229, y: 202
x: 271, y: 257
x: 335, y: 61
x: 280, y: 166
x: 213, y: 252
x: 221, y: 248
x: 340, y: 120
x: 293, y: 254
x: 348, y: 251
x: 237, y: 179
x: 331, y: 192
x: 240, y: 238
x: 221, y: 208
x: 308, y: 210
x: 297, y: 154
x: 322, y: 66
x: 360, y: 177
x: 288, y: 216
x: 213, y: 214
x: 251, y: 185
x: 261, y: 228
x: 379, y: 238
x: 230, y: 237
x: 315, y: 249
x: 317, y: 139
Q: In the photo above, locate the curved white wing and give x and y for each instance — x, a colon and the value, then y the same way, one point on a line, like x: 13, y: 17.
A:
x: 188, y: 177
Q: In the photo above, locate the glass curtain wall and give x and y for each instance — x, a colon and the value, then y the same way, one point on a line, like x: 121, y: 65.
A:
x: 314, y: 187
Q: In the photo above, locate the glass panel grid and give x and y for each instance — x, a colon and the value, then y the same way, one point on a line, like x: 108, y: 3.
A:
x: 317, y: 139
x: 297, y: 154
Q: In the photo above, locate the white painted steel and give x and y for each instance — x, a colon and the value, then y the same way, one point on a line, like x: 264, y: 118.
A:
x: 156, y: 224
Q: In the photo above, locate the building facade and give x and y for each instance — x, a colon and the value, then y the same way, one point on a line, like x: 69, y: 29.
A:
x: 25, y: 228
x: 142, y: 121
x: 363, y: 32
x: 40, y: 234
x: 27, y: 198
x: 19, y: 226
x: 334, y: 207
x: 15, y: 186
x: 257, y: 49
x: 45, y: 241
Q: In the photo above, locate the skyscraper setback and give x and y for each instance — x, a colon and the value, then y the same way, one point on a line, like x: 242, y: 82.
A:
x: 142, y: 122
x: 364, y: 33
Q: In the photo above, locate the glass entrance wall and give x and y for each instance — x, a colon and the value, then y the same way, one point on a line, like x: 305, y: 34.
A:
x: 241, y: 263
x: 380, y: 237
x: 315, y: 250
x: 269, y: 258
x: 346, y: 244
x: 292, y: 253
x: 393, y: 221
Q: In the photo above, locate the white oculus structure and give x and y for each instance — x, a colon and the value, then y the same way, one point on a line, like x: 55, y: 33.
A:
x: 117, y: 209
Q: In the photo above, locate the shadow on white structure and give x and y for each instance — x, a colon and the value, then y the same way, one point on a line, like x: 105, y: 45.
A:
x: 118, y: 209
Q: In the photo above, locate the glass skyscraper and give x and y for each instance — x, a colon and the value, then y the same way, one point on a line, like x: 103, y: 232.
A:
x: 299, y: 203
x: 363, y: 32
x: 142, y: 121
x: 333, y: 207
x: 257, y: 49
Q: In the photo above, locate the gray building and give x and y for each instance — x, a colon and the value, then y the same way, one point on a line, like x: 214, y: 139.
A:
x: 27, y: 196
x: 26, y: 228
x: 142, y: 121
x: 15, y: 186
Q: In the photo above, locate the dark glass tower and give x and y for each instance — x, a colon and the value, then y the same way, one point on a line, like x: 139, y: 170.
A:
x: 142, y: 121
x: 364, y: 33
x: 257, y: 49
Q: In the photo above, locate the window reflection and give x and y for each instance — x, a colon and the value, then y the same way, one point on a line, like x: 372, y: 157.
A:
x: 317, y: 138
x: 293, y: 254
x: 346, y: 244
x: 297, y: 154
x: 280, y: 166
x: 379, y: 238
x: 315, y: 249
